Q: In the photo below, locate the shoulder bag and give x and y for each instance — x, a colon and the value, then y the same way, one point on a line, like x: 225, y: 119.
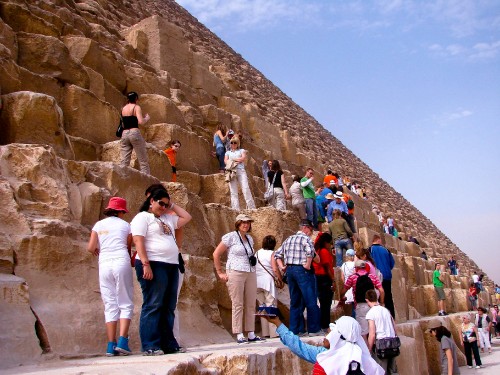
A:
x: 388, y: 347
x: 251, y: 258
x: 277, y: 282
x: 269, y: 194
x: 119, y: 130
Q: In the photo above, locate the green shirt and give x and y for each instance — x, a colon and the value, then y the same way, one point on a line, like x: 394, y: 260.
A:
x: 435, y: 279
x: 308, y: 191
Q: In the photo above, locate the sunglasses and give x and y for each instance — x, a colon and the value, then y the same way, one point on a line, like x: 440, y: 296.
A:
x: 234, y: 143
x: 163, y: 204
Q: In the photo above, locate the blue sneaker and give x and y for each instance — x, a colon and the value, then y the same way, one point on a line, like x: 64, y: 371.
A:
x: 111, y: 352
x: 122, y: 346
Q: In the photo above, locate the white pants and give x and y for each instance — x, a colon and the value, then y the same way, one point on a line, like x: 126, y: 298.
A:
x: 279, y: 199
x: 176, y: 312
x: 484, y: 338
x: 117, y: 289
x: 242, y: 179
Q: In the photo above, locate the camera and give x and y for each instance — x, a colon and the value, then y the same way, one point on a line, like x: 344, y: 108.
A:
x: 253, y: 260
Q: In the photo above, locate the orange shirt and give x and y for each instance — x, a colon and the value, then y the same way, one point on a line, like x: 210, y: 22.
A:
x: 328, y: 178
x: 171, y: 154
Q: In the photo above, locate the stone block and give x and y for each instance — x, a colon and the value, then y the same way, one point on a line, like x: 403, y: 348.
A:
x: 96, y: 84
x: 365, y: 234
x: 192, y: 116
x: 146, y: 82
x: 8, y: 39
x: 191, y: 180
x: 49, y: 56
x: 213, y: 115
x: 412, y: 249
x: 158, y: 161
x: 20, y: 18
x: 6, y: 255
x: 29, y: 117
x: 399, y: 289
x: 202, y: 78
x: 161, y: 110
x: 264, y: 135
x: 84, y: 149
x: 214, y: 189
x: 21, y: 347
x: 113, y: 96
x: 87, y: 117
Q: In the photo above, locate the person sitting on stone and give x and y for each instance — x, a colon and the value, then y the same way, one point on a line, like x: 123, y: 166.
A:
x: 171, y: 153
x: 337, y: 203
x: 342, y: 348
x: 239, y: 156
x: 131, y: 138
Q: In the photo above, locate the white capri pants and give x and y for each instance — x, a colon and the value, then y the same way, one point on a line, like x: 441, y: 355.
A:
x: 242, y: 179
x: 117, y: 289
x: 484, y: 338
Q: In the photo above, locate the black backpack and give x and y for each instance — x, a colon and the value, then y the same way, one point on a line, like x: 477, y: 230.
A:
x: 354, y: 369
x: 363, y: 284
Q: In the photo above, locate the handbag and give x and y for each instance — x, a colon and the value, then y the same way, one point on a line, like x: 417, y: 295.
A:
x: 119, y: 130
x: 269, y: 193
x: 277, y: 282
x: 387, y: 347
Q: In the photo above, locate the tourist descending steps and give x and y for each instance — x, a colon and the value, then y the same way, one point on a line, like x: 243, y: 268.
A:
x: 280, y: 191
x: 111, y: 241
x: 340, y: 232
x: 240, y: 277
x: 361, y: 282
x: 483, y: 324
x: 295, y: 257
x: 131, y: 138
x: 380, y: 326
x: 238, y: 156
x: 448, y: 352
x: 157, y: 270
x: 330, y: 181
x: 343, y: 351
x: 337, y: 204
x: 468, y: 339
x: 437, y: 280
x: 298, y: 201
x: 171, y: 153
x: 385, y: 263
x: 310, y: 197
x: 325, y: 279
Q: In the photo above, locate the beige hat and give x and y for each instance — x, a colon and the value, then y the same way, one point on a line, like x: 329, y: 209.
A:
x: 433, y: 324
x: 243, y: 217
x: 330, y: 196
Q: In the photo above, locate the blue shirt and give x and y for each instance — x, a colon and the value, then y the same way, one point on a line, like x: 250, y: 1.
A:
x: 342, y: 206
x: 302, y: 350
x: 383, y: 259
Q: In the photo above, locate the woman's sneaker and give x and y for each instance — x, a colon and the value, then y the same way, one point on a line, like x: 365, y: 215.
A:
x: 153, y: 352
x: 111, y: 350
x: 242, y: 341
x: 122, y: 346
x: 256, y: 339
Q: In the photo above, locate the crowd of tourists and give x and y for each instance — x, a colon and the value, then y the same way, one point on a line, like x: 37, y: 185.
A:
x: 362, y: 341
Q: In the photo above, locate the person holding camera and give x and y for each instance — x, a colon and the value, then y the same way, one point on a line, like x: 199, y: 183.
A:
x: 468, y: 339
x: 240, y: 277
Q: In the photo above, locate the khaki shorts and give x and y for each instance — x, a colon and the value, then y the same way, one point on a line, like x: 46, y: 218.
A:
x: 440, y: 293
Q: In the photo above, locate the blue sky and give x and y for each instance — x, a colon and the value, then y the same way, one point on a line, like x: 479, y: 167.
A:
x: 411, y: 87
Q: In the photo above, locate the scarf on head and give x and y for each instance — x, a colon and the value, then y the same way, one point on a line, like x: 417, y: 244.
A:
x: 346, y: 345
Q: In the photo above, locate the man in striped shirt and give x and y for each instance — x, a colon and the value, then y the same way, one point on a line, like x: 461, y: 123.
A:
x: 295, y: 256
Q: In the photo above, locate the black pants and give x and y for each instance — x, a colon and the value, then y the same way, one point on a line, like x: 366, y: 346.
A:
x: 389, y: 303
x: 471, y: 348
x: 325, y: 297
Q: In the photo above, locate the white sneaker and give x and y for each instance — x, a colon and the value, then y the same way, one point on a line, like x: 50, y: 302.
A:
x: 469, y: 366
x: 478, y: 366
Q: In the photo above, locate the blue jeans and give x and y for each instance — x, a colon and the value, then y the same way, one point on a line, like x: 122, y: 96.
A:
x: 340, y: 246
x: 159, y: 301
x: 221, y: 152
x: 302, y: 288
x: 453, y: 270
x: 312, y: 211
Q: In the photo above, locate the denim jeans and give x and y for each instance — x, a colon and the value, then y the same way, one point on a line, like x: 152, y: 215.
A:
x: 340, y: 246
x: 312, y: 211
x: 220, y: 152
x: 159, y: 301
x: 302, y: 288
x: 453, y: 270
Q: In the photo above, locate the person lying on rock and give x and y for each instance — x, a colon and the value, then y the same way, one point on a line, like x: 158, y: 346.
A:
x: 343, y: 350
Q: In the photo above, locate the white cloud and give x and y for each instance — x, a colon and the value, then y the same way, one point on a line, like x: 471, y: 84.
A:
x: 481, y: 51
x: 448, y: 118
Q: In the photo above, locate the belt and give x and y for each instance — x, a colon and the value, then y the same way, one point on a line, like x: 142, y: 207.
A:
x: 294, y: 265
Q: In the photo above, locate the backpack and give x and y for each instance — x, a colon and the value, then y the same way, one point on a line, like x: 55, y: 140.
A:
x: 354, y: 369
x: 350, y: 204
x: 363, y: 284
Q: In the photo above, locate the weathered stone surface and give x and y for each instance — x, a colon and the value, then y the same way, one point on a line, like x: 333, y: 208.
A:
x: 8, y: 39
x: 21, y: 19
x: 48, y: 55
x: 161, y: 110
x: 145, y: 82
x: 33, y: 118
x: 19, y: 345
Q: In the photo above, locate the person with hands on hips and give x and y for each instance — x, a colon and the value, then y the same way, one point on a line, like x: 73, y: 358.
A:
x: 240, y: 277
x: 157, y: 270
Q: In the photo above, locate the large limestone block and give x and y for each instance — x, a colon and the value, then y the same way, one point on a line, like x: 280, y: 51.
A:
x: 288, y: 146
x: 365, y: 234
x: 265, y: 135
x: 18, y: 341
x: 6, y: 255
x: 214, y: 189
x: 113, y: 96
x: 48, y: 55
x: 213, y: 116
x: 195, y: 153
x: 20, y: 18
x: 11, y: 219
x: 192, y: 116
x: 96, y: 83
x: 203, y: 78
x: 412, y: 359
x: 399, y: 295
x: 193, y: 96
x: 8, y: 39
x: 90, y: 203
x: 84, y: 149
x: 105, y: 61
x: 412, y: 249
x: 192, y: 181
x: 38, y: 179
x: 88, y: 117
x: 146, y: 82
x: 29, y: 117
x: 161, y: 110
x: 167, y: 48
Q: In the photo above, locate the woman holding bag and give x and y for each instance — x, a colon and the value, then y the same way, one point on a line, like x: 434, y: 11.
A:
x: 468, y: 339
x: 277, y: 182
x: 240, y: 277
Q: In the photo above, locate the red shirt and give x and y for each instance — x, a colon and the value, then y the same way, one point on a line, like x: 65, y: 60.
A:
x: 325, y: 262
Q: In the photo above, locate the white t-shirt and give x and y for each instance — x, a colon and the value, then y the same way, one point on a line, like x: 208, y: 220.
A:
x: 236, y: 155
x: 237, y: 257
x: 264, y: 279
x: 348, y: 269
x: 112, y: 233
x: 475, y: 278
x: 160, y: 247
x: 383, y: 321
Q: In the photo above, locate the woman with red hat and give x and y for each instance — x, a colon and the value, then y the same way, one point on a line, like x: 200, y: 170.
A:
x: 111, y: 241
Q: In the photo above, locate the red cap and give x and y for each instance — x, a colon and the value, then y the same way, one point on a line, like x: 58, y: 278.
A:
x: 117, y: 204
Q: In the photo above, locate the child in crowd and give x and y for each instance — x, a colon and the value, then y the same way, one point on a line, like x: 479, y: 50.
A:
x: 171, y: 153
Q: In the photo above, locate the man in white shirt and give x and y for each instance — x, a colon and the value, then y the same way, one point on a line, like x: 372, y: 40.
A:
x: 380, y: 325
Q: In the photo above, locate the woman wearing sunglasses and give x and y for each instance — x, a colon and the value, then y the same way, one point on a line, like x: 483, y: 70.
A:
x: 239, y: 156
x: 157, y: 270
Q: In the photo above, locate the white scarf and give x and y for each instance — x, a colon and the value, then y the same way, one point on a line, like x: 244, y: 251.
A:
x: 335, y: 361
